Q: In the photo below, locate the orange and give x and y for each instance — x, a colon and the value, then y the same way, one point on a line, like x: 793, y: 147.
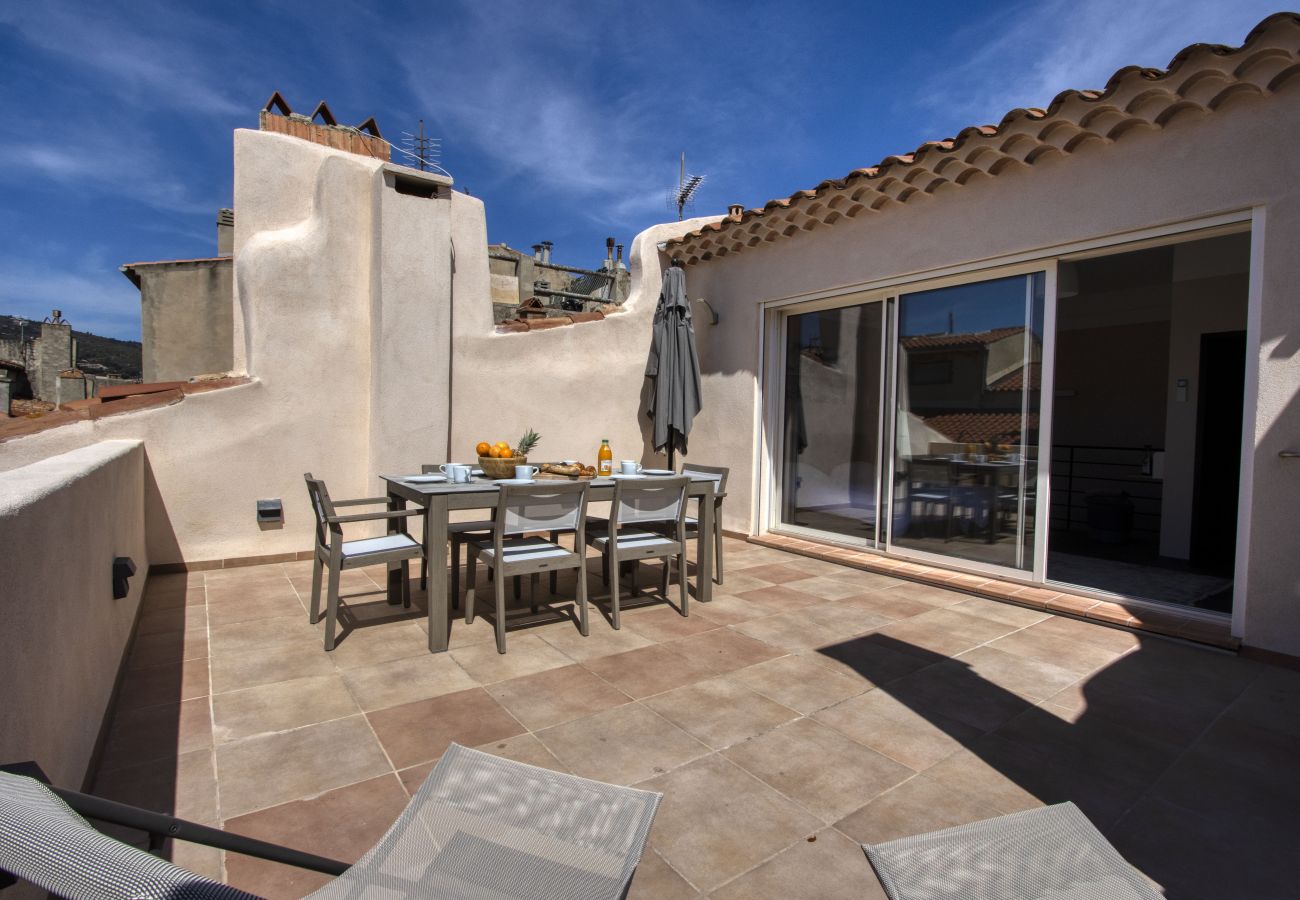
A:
x: 482, y: 448
x: 503, y: 445
x: 497, y: 453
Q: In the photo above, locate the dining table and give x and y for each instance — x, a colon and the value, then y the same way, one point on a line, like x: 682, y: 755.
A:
x: 441, y: 498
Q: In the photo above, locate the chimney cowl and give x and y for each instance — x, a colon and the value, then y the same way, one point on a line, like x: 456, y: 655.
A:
x: 735, y: 211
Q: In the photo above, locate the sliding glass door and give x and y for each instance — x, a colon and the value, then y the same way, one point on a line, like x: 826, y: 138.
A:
x: 966, y: 412
x: 909, y: 422
x: 831, y: 421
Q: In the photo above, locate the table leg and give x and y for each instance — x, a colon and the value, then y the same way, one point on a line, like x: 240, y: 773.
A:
x: 704, y: 549
x: 435, y: 560
x: 395, y: 569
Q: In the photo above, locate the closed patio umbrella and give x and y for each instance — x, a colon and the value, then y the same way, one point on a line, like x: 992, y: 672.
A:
x: 674, y: 366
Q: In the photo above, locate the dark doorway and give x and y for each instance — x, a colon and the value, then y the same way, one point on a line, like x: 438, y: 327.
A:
x: 1218, y: 450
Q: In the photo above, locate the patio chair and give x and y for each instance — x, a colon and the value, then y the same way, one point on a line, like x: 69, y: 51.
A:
x: 1052, y: 851
x: 338, y: 554
x: 718, y: 475
x: 554, y: 507
x: 647, y: 520
x: 931, y: 484
x: 479, y: 827
x: 457, y: 534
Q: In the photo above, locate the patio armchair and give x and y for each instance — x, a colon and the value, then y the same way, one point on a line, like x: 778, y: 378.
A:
x: 479, y: 827
x: 647, y: 520
x: 336, y: 553
x: 508, y: 550
x: 718, y: 475
x: 1051, y: 851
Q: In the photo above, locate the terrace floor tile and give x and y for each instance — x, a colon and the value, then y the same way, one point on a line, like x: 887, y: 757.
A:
x: 720, y: 712
x: 622, y: 745
x: 419, y: 732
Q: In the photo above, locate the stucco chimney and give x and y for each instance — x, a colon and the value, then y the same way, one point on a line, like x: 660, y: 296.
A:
x: 735, y: 211
x: 537, y: 252
x: 609, y: 253
x: 225, y: 232
x: 619, y: 263
x: 546, y: 251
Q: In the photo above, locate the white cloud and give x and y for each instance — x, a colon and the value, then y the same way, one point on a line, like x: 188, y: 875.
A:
x: 1034, y: 51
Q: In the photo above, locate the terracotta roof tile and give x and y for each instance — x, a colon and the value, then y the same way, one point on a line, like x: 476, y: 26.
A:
x: 960, y: 339
x: 1199, y: 77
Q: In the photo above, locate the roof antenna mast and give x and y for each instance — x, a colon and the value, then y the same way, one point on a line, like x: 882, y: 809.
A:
x: 684, y: 194
x: 422, y: 151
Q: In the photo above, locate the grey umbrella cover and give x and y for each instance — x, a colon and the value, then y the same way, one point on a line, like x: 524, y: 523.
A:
x: 674, y: 365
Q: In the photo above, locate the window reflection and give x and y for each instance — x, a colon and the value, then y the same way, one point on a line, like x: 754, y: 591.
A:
x: 966, y: 429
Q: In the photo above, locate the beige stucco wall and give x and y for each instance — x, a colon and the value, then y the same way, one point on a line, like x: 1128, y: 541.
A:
x: 308, y: 299
x: 186, y: 310
x: 1198, y: 165
x: 62, y: 522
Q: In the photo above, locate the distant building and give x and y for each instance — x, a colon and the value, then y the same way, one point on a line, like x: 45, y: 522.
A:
x: 45, y: 368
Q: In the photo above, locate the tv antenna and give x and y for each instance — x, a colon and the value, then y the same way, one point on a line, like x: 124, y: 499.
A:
x: 423, y: 151
x: 684, y: 194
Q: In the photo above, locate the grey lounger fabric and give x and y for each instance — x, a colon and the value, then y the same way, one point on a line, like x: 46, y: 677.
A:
x: 43, y: 841
x: 485, y: 827
x: 1050, y: 853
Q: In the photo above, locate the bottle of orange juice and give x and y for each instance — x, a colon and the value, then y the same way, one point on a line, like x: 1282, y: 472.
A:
x: 604, y: 459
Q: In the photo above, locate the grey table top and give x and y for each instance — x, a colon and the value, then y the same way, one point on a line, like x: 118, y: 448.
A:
x: 482, y: 484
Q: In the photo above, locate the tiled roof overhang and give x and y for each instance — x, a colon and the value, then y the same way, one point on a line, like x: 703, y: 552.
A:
x: 1200, y: 78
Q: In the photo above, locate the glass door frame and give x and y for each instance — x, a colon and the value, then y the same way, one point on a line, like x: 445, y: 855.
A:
x: 771, y: 448
x: 780, y: 325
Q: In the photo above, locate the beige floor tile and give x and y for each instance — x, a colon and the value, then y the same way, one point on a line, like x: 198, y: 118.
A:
x: 406, y: 680
x: 168, y: 648
x: 800, y: 683
x: 831, y: 586
x: 184, y: 787
x: 656, y: 880
x: 885, y: 724
x: 649, y: 670
x: 779, y: 598
x: 871, y: 658
x: 372, y: 644
x: 525, y: 654
x: 602, y: 641
x: 623, y: 745
x: 172, y: 683
x: 236, y: 670
x: 665, y: 623
x: 730, y: 609
x: 944, y: 632
x: 969, y: 772
x: 928, y: 593
x: 1074, y: 656
x: 525, y: 748
x: 1009, y: 613
x: 418, y: 732
x: 1115, y: 639
x: 846, y: 619
x: 776, y: 573
x: 265, y: 635
x: 791, y: 632
x: 724, y: 650
x: 271, y: 708
x: 1032, y: 679
x: 266, y: 771
x: 340, y: 824
x: 160, y: 732
x: 253, y: 608
x: 716, y: 821
x: 555, y: 696
x: 176, y: 618
x: 818, y: 767
x: 890, y: 604
x: 825, y: 865
x: 720, y: 712
x: 917, y: 806
x: 950, y: 690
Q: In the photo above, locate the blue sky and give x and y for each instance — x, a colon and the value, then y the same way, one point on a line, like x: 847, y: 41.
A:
x: 566, y: 118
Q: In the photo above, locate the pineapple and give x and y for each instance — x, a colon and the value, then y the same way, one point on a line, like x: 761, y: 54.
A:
x: 527, y: 442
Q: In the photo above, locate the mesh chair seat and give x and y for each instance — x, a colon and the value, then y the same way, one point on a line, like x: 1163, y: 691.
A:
x: 485, y: 827
x: 629, y: 539
x: 1050, y: 853
x: 45, y: 842
x: 520, y: 549
x: 382, y: 544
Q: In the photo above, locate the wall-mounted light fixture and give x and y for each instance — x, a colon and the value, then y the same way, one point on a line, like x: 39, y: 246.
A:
x: 270, y: 512
x: 711, y: 315
x: 123, y: 569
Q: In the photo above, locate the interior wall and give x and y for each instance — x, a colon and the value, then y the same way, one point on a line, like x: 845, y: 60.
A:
x: 1110, y: 384
x: 1202, y: 306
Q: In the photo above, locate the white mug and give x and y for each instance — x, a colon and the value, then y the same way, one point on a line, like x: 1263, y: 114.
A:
x: 456, y: 473
x: 629, y: 466
x: 526, y: 471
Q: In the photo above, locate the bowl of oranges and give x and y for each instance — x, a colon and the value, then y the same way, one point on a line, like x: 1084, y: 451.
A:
x: 498, y: 459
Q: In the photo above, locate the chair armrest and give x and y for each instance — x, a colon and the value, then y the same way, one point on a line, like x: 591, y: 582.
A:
x: 364, y: 502
x: 376, y: 516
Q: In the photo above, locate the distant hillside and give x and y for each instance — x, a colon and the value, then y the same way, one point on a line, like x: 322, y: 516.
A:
x: 95, y: 354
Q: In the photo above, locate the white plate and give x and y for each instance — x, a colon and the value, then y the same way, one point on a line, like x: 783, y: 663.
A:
x: 621, y: 475
x: 570, y: 462
x: 658, y: 472
x: 424, y: 479
x: 512, y: 481
x: 476, y: 471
